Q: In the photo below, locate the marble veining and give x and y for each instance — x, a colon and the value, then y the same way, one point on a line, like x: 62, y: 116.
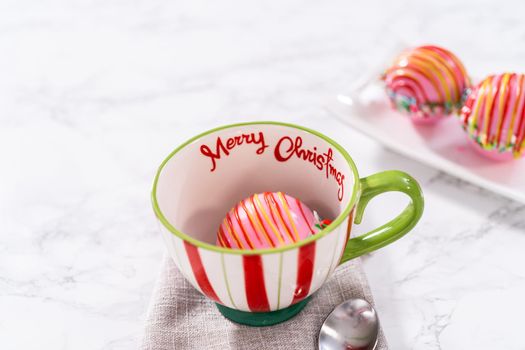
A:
x: 93, y: 95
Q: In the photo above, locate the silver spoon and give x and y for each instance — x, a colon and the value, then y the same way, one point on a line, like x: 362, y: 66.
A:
x: 352, y: 325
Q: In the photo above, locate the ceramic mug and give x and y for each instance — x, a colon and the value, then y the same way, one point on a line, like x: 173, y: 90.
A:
x: 202, y: 179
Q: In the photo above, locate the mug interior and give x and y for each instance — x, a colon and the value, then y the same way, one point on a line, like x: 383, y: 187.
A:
x: 203, y: 179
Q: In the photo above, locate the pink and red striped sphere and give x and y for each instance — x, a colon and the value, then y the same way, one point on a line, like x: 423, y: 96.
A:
x: 267, y: 220
x: 494, y: 116
x: 427, y: 82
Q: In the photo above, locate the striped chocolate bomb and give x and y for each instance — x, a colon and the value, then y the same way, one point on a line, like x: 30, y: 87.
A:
x: 427, y: 82
x: 268, y: 220
x: 494, y: 116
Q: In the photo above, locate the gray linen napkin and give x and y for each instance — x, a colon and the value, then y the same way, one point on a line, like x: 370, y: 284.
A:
x: 179, y: 317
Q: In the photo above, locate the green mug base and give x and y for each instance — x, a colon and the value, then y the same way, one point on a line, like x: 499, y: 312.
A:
x: 262, y: 319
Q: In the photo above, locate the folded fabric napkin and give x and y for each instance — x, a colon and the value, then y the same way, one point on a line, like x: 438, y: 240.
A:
x: 179, y: 317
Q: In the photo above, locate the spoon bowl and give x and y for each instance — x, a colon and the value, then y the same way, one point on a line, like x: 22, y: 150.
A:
x: 352, y: 325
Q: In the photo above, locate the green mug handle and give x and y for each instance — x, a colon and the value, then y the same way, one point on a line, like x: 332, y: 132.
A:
x: 371, y: 186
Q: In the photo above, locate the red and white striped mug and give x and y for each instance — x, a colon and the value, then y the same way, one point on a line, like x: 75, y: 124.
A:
x: 202, y: 179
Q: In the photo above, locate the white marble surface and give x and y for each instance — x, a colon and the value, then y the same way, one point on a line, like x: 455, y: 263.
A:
x: 93, y: 95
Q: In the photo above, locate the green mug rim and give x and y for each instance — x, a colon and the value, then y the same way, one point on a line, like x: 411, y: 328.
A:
x: 327, y: 230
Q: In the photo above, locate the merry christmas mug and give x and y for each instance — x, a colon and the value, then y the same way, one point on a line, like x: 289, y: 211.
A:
x: 203, y: 178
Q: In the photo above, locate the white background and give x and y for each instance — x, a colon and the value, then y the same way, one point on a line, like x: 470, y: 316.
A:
x: 94, y: 94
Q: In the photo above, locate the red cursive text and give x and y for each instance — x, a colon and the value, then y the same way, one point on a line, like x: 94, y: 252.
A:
x: 230, y: 143
x: 287, y: 147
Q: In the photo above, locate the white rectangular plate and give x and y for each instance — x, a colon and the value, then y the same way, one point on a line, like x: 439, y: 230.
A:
x: 443, y: 145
